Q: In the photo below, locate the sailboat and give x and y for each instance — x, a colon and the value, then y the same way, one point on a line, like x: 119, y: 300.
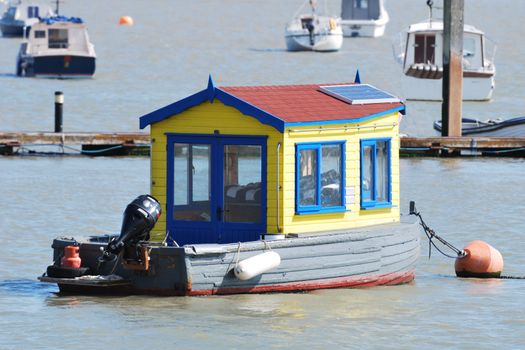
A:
x: 312, y: 31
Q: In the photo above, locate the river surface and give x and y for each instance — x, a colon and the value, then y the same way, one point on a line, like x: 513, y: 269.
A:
x: 167, y: 55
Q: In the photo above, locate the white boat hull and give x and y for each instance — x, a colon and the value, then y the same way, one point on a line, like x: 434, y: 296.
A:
x: 474, y: 89
x: 370, y: 29
x: 321, y: 42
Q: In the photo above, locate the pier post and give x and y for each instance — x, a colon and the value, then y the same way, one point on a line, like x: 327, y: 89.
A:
x: 59, y: 103
x: 452, y: 67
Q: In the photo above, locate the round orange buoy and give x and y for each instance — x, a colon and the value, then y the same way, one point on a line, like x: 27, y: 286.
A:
x: 125, y: 20
x: 481, y: 261
x: 71, y: 257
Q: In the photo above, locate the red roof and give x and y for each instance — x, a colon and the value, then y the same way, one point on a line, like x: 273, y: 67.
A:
x: 304, y: 103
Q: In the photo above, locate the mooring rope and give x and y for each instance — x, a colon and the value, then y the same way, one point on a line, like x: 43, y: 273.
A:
x: 431, y: 234
x: 460, y: 253
x: 237, y: 255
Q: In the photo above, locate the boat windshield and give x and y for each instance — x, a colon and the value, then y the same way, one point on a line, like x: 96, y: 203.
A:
x: 11, y: 12
x: 58, y: 39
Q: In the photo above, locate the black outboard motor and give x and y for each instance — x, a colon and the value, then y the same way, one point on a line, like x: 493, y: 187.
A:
x: 139, y: 218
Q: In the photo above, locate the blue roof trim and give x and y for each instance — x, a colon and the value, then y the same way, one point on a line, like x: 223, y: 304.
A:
x: 174, y: 108
x: 352, y: 121
x: 249, y: 109
x: 211, y: 93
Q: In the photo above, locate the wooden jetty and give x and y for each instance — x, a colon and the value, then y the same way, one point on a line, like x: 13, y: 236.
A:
x: 137, y: 143
x: 91, y: 143
x: 463, y: 146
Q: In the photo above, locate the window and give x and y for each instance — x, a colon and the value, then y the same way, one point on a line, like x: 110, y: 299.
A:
x: 319, y: 177
x: 40, y: 34
x: 375, y: 174
x: 57, y: 39
x: 361, y: 4
x: 192, y: 182
x: 424, y: 50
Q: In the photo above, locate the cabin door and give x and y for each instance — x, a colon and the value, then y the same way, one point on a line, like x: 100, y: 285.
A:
x: 216, y: 188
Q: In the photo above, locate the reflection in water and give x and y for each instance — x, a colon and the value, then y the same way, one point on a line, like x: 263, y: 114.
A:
x: 26, y: 287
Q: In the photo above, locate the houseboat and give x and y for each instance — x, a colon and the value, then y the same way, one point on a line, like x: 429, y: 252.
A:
x: 363, y: 18
x: 20, y: 16
x: 261, y: 189
x: 312, y: 31
x: 57, y: 47
x: 419, y: 52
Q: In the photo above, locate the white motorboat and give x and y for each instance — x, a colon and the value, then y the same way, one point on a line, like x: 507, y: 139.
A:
x: 57, y: 47
x: 365, y: 18
x: 20, y: 16
x: 313, y: 32
x: 419, y: 51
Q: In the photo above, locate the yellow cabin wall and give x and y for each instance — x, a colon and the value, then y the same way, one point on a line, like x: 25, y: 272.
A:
x: 205, y: 118
x: 385, y: 127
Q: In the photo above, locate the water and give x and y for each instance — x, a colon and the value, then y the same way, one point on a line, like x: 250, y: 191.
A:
x: 168, y: 55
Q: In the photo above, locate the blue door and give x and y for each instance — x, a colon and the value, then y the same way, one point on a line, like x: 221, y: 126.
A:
x: 216, y: 188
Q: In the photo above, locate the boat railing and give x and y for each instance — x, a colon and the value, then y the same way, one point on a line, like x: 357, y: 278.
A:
x: 489, y: 48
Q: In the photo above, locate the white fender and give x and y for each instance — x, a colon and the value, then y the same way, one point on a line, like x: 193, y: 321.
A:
x: 256, y: 265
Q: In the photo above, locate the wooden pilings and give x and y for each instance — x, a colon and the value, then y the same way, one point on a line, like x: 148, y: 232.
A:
x: 59, y: 108
x: 452, y: 67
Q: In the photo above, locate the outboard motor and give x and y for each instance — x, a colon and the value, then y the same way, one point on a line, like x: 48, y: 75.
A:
x: 139, y: 218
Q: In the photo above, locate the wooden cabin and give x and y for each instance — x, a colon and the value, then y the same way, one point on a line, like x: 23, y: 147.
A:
x: 229, y: 164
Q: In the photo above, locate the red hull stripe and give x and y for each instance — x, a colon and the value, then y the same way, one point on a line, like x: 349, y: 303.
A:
x: 341, y: 282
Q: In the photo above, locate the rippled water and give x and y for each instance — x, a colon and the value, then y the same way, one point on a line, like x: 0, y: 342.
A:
x: 167, y: 55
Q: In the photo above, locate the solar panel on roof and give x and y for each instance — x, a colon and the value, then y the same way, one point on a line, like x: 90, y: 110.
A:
x: 358, y: 94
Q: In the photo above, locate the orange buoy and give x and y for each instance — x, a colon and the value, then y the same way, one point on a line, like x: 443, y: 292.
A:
x: 71, y: 257
x: 125, y: 20
x: 481, y: 261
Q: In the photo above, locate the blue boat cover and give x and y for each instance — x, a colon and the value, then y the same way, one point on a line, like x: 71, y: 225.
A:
x: 55, y: 19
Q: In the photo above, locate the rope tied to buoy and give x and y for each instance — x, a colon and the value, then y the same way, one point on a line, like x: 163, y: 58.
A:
x: 478, y: 259
x: 431, y: 234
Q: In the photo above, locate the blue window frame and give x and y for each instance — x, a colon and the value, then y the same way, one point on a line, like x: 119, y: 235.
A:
x: 319, y: 177
x: 376, y: 173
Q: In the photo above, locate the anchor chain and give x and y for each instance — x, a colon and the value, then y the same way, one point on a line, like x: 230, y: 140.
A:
x: 431, y: 234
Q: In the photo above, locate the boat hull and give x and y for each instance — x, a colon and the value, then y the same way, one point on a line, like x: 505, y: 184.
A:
x: 363, y: 28
x: 57, y: 66
x: 321, y: 42
x: 377, y: 255
x: 474, y: 88
x: 12, y: 29
x: 514, y: 127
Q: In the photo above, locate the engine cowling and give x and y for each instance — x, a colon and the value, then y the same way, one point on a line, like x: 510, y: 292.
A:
x: 138, y: 220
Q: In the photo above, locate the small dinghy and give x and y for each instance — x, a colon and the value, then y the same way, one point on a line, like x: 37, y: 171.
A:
x: 514, y: 127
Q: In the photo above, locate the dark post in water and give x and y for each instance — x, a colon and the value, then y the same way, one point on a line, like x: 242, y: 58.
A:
x: 452, y: 67
x: 59, y: 103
